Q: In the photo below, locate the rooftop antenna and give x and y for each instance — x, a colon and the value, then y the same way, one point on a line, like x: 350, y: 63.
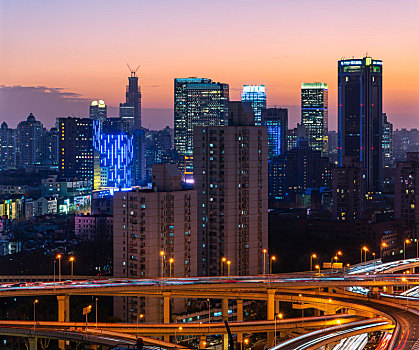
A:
x: 133, y: 71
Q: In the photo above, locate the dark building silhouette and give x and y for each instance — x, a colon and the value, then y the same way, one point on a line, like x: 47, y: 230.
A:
x: 360, y: 115
x: 78, y: 155
x: 298, y: 169
x: 349, y: 190
x: 406, y: 192
x: 7, y: 147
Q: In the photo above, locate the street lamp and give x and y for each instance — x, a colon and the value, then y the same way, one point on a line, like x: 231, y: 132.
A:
x: 72, y: 265
x: 404, y: 279
x: 228, y: 267
x: 312, y: 256
x: 179, y: 329
x: 209, y: 311
x: 162, y: 254
x: 317, y: 267
x: 331, y: 262
x: 170, y: 266
x: 406, y: 241
x: 96, y: 310
x: 382, y: 246
x: 364, y: 249
x: 34, y: 313
x: 59, y: 256
x: 280, y: 316
x: 246, y: 342
x: 140, y: 316
x: 273, y: 258
x: 264, y: 261
x: 223, y: 260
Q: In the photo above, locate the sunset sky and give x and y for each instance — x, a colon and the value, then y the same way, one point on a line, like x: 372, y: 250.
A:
x: 55, y: 56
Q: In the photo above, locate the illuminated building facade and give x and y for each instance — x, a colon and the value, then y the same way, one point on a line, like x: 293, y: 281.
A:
x: 78, y: 145
x: 276, y: 120
x: 256, y: 95
x: 198, y: 102
x: 98, y: 110
x: 360, y: 115
x: 314, y: 115
x: 116, y: 152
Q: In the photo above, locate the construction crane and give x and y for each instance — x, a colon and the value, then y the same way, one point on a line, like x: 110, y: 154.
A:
x: 133, y: 71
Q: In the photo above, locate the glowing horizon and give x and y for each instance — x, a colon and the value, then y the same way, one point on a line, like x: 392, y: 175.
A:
x: 83, y: 47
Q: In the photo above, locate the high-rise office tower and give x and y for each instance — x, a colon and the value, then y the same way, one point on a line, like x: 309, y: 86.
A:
x: 360, y: 115
x: 348, y: 190
x: 198, y: 102
x: 131, y: 109
x: 127, y: 117
x: 276, y: 120
x: 30, y: 142
x: 7, y: 147
x: 387, y: 142
x: 98, y: 110
x: 138, y: 169
x: 315, y: 114
x: 78, y: 149
x: 406, y: 192
x: 155, y: 235
x: 231, y: 178
x: 256, y: 95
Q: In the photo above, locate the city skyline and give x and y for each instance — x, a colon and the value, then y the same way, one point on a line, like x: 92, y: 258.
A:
x: 277, y: 53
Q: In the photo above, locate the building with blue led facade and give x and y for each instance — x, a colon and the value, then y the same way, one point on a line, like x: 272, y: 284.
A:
x: 255, y: 94
x: 276, y: 120
x: 116, y: 152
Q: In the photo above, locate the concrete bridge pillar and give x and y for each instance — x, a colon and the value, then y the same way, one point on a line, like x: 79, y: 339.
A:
x: 166, y: 312
x: 224, y: 313
x: 270, y: 312
x: 63, y: 308
x: 33, y: 343
x: 239, y: 312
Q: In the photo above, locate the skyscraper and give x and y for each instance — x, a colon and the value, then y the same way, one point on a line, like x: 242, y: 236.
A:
x: 130, y: 111
x: 7, y: 147
x: 276, y: 120
x: 257, y: 96
x: 387, y: 142
x: 78, y: 147
x: 360, y: 115
x: 98, y: 110
x: 314, y: 114
x: 30, y: 143
x: 231, y: 177
x: 198, y: 102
